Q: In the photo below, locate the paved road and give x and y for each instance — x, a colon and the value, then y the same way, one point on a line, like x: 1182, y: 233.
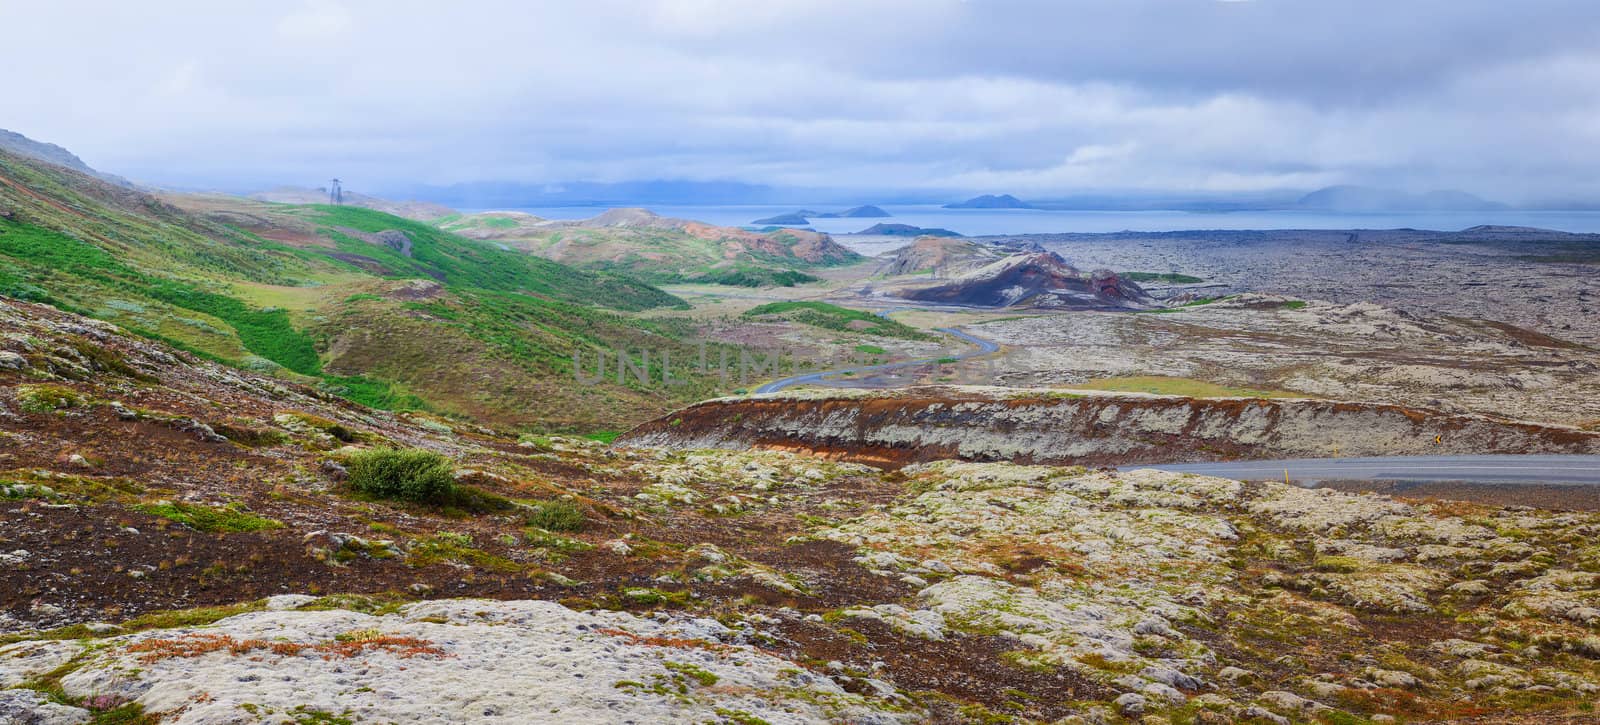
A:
x: 1471, y: 469
x: 984, y: 347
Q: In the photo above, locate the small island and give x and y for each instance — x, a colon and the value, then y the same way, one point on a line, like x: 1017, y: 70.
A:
x: 990, y: 201
x: 805, y: 215
x: 792, y: 219
x: 907, y: 230
x: 861, y: 212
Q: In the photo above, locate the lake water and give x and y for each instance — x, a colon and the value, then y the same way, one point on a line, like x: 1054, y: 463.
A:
x: 980, y: 222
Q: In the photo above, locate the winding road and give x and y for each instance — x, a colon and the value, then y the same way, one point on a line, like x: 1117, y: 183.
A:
x: 1514, y: 469
x: 983, y: 347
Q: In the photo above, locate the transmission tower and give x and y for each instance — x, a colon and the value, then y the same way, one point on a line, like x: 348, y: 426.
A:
x: 335, y: 193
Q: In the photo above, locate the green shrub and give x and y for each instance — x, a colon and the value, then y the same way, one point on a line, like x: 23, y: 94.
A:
x: 409, y: 475
x: 555, y: 516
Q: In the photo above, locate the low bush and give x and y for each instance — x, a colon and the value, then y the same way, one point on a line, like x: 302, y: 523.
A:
x: 555, y: 516
x: 409, y: 475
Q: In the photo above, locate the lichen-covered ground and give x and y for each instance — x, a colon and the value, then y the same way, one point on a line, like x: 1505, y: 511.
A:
x: 178, y: 544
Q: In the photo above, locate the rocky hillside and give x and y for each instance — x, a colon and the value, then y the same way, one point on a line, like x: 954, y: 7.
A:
x: 946, y: 257
x: 15, y: 143
x: 1087, y: 428
x: 183, y: 542
x: 1038, y: 280
x: 662, y: 249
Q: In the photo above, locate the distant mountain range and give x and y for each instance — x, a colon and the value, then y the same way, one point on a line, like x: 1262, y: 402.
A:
x: 1368, y: 199
x: 1344, y: 198
x: 677, y: 192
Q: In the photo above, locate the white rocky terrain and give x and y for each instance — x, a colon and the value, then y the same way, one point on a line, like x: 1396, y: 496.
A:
x: 447, y: 661
x: 1359, y: 352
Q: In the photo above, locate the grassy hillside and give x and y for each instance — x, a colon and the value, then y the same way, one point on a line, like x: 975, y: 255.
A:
x: 662, y: 250
x: 461, y: 262
x: 379, y: 309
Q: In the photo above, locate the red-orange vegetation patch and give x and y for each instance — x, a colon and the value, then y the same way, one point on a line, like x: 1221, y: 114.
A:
x: 294, y: 237
x: 196, y: 645
x: 673, y: 642
x: 403, y: 647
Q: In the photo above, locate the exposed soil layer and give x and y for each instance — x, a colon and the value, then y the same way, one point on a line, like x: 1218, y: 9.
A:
x: 977, y: 424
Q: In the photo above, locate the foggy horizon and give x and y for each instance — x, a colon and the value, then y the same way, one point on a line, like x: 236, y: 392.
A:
x: 925, y: 99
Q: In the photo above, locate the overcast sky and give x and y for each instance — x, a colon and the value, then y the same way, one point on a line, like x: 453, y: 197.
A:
x: 1048, y: 97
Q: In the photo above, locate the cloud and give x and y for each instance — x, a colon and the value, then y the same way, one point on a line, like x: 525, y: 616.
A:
x: 992, y: 95
x: 315, y: 19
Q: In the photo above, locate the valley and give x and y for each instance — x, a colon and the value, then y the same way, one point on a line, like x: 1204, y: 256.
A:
x: 422, y: 464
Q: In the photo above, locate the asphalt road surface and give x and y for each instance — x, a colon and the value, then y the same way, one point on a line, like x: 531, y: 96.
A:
x: 983, y: 347
x: 1530, y: 469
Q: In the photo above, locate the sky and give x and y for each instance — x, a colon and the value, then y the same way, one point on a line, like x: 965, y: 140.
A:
x: 1041, y: 98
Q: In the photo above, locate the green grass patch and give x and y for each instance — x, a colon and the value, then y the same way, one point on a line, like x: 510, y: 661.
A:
x: 228, y: 519
x: 699, y: 674
x: 465, y: 263
x: 748, y: 277
x: 1337, y: 564
x: 47, y: 398
x: 842, y: 319
x: 447, y: 546
x: 372, y: 393
x: 167, y: 619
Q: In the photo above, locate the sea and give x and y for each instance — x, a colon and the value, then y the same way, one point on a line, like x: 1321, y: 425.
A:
x: 987, y: 222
